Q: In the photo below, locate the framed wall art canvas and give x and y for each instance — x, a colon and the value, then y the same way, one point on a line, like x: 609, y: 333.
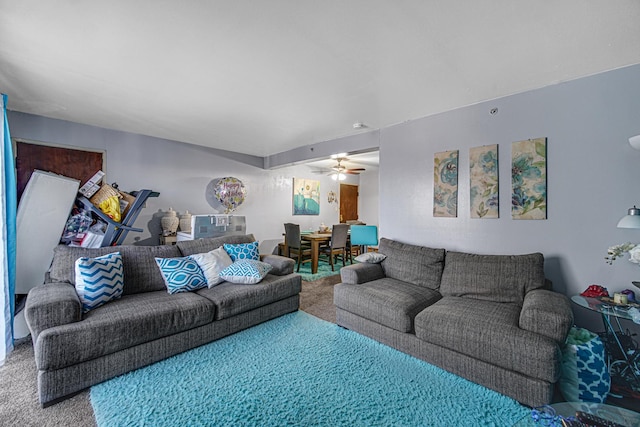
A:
x: 306, y: 196
x: 483, y: 181
x: 445, y: 184
x: 529, y: 179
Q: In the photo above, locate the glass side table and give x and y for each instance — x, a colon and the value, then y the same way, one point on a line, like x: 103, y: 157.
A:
x: 615, y: 414
x: 623, y: 360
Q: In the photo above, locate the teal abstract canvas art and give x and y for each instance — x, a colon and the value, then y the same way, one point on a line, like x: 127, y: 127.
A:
x: 306, y: 196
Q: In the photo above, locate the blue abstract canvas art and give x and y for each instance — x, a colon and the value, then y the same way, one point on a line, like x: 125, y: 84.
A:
x: 306, y: 196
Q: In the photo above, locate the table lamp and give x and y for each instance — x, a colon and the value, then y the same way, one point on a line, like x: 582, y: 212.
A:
x: 631, y: 220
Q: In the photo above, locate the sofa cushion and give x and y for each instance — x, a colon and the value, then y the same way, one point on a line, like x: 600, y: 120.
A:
x: 190, y: 247
x: 232, y: 299
x: 356, y: 274
x: 123, y: 323
x: 280, y: 266
x: 418, y: 265
x: 181, y: 274
x: 489, y: 331
x: 390, y: 302
x: 140, y: 270
x: 499, y: 278
x: 99, y: 280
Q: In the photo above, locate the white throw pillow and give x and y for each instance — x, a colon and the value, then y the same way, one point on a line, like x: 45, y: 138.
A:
x: 371, y: 257
x: 246, y: 271
x: 212, y: 263
x: 99, y: 280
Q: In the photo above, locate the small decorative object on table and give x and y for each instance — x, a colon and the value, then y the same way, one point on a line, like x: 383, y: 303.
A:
x: 547, y: 416
x: 170, y: 222
x: 618, y: 251
x: 185, y: 222
x: 595, y: 291
x: 580, y: 414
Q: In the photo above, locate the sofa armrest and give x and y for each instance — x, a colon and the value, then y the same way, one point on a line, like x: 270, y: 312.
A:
x: 547, y: 313
x: 361, y: 273
x: 281, y: 266
x: 51, y: 304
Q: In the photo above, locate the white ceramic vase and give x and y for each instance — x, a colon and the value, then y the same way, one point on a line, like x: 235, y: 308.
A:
x: 170, y: 222
x: 185, y: 222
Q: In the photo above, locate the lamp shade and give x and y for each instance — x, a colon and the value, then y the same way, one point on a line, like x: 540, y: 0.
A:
x: 631, y: 220
x: 635, y: 142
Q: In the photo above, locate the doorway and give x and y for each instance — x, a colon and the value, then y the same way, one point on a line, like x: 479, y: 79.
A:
x: 348, y: 202
x: 77, y: 163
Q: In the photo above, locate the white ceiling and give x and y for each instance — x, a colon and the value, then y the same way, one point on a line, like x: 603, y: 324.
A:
x: 262, y: 77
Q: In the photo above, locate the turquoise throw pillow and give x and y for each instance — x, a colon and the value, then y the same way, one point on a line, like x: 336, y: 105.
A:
x: 99, y: 280
x: 246, y: 271
x: 584, y: 371
x: 181, y: 274
x: 242, y: 251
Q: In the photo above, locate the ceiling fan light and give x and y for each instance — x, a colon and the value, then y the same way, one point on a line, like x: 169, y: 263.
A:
x: 342, y: 176
x: 334, y: 177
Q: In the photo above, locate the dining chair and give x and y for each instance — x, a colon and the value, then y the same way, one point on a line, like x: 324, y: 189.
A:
x: 338, y: 245
x: 363, y: 236
x: 296, y: 247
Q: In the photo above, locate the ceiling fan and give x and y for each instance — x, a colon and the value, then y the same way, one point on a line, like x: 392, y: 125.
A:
x: 340, y: 171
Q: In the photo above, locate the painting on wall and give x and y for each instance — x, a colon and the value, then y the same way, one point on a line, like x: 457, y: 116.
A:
x: 445, y: 184
x: 529, y: 179
x: 306, y: 196
x: 483, y: 180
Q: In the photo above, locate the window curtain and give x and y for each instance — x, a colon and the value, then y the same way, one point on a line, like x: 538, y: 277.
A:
x: 8, y: 246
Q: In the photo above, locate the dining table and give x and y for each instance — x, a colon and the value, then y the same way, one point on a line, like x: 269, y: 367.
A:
x: 316, y: 239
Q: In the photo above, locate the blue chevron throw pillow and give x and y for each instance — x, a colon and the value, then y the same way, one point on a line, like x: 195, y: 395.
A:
x: 99, y: 280
x: 246, y: 271
x: 181, y: 274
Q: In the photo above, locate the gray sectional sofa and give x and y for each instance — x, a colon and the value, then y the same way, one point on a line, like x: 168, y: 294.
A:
x: 489, y: 318
x: 74, y: 351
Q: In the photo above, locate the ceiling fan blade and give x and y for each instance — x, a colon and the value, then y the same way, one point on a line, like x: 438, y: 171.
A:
x: 357, y: 169
x: 351, y: 172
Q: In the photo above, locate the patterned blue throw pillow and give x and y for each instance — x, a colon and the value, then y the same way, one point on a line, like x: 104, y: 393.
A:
x: 99, y: 280
x: 246, y: 271
x: 181, y: 274
x: 242, y: 251
x: 584, y: 374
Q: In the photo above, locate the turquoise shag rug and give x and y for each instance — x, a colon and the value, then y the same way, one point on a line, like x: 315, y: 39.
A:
x: 324, y: 270
x: 297, y: 370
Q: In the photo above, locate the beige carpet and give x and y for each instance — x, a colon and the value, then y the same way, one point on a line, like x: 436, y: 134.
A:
x: 19, y: 404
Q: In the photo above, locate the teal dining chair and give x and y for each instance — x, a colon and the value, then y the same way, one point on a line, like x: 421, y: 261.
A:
x: 363, y: 236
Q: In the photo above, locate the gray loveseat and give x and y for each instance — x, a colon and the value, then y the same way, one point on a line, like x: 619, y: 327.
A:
x: 489, y: 318
x: 74, y: 351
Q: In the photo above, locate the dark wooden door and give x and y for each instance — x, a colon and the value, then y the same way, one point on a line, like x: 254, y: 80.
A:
x: 348, y: 202
x: 70, y: 162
